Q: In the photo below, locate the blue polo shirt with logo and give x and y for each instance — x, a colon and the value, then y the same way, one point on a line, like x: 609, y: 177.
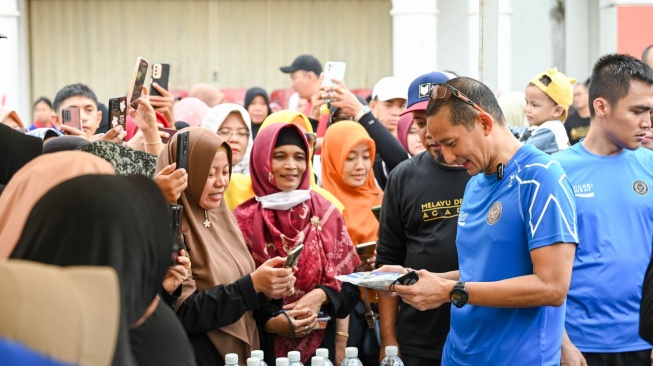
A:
x: 615, y: 223
x: 500, y: 222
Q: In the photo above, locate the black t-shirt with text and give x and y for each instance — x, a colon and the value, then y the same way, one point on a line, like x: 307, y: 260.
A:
x: 577, y: 127
x: 418, y: 230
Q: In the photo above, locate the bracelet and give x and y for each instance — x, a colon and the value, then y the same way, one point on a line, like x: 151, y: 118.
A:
x: 153, y: 143
x: 344, y: 334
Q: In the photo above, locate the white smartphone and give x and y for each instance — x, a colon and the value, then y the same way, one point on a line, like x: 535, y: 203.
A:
x: 335, y: 70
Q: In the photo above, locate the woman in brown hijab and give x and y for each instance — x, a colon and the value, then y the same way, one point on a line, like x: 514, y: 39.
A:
x: 218, y: 298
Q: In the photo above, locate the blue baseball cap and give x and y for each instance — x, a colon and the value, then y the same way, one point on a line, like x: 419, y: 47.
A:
x: 420, y: 88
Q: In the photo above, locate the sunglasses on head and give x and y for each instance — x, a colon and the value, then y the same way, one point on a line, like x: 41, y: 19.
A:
x: 444, y: 91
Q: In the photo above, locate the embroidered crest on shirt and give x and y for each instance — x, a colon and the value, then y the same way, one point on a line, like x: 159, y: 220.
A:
x: 640, y: 187
x: 494, y: 214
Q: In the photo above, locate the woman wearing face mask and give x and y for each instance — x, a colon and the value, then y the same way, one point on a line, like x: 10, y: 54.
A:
x: 218, y: 298
x: 257, y: 104
x: 285, y: 214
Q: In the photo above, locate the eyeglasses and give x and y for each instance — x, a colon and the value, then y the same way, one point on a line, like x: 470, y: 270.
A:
x: 225, y: 134
x: 445, y: 91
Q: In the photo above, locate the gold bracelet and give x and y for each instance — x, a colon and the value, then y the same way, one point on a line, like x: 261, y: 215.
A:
x: 153, y: 143
x: 344, y: 334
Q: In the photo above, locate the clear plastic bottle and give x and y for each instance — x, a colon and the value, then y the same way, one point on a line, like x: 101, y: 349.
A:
x: 282, y: 361
x: 295, y: 358
x: 253, y: 361
x: 351, y: 357
x: 231, y: 359
x: 324, y: 352
x: 260, y: 355
x: 317, y: 361
x: 391, y: 357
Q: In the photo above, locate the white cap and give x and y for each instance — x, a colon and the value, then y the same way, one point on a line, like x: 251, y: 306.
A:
x: 253, y: 361
x: 316, y: 361
x: 282, y: 361
x: 231, y: 358
x: 258, y: 354
x: 351, y: 352
x: 390, y: 87
x: 294, y: 356
x: 322, y: 352
x: 391, y: 351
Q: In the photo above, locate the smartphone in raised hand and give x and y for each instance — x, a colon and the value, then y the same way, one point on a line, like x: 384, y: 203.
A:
x: 118, y: 112
x: 335, y: 70
x: 182, y: 150
x: 138, y: 79
x: 161, y: 76
x: 293, y: 257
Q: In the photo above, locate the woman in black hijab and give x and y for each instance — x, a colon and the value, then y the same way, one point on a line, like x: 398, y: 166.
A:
x: 127, y: 227
x: 257, y: 104
x: 16, y: 150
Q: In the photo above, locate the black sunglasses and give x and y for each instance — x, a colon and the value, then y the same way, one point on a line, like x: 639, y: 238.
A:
x: 445, y: 91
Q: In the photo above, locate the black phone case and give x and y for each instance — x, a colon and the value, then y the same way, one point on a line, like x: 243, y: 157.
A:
x: 162, y: 79
x: 118, y: 112
x: 175, y: 225
x: 182, y: 151
x: 408, y: 279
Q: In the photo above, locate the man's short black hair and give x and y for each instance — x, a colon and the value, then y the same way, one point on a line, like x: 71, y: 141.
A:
x: 461, y: 112
x: 612, y: 75
x: 73, y: 90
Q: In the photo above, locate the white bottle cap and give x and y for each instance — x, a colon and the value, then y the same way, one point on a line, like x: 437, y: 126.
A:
x: 322, y: 352
x: 282, y: 361
x: 316, y: 361
x: 253, y: 361
x: 258, y: 354
x: 391, y: 351
x: 294, y: 356
x: 231, y: 358
x: 351, y: 352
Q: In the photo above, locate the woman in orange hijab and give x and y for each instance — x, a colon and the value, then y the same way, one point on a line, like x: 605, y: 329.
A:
x: 347, y: 159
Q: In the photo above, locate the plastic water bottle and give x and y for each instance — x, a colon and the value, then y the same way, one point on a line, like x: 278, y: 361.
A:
x: 391, y: 357
x: 295, y: 358
x: 351, y: 357
x: 317, y: 361
x: 323, y: 352
x: 231, y: 359
x: 259, y: 354
x: 253, y: 361
x: 282, y: 361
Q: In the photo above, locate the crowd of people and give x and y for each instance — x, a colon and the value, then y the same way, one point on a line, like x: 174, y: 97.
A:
x: 526, y: 218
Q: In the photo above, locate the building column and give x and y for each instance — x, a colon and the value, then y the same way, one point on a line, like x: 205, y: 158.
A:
x: 14, y: 63
x: 473, y: 38
x: 414, y: 37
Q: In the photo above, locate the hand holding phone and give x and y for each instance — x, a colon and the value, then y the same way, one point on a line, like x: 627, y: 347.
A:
x: 118, y: 112
x: 293, y: 257
x: 171, y: 132
x: 160, y: 75
x: 366, y: 250
x: 138, y: 79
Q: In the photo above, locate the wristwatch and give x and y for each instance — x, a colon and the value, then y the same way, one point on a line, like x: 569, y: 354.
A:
x: 365, y: 110
x: 459, y: 295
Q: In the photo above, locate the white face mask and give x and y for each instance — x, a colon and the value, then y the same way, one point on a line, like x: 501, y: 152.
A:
x: 283, y: 201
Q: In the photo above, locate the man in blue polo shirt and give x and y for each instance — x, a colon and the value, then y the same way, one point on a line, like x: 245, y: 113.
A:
x: 611, y: 177
x: 516, y: 238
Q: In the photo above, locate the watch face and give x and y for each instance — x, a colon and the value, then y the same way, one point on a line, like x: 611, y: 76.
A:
x: 459, y: 297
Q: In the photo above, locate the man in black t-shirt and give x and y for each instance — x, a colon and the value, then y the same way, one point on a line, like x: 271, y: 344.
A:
x: 578, y: 123
x: 418, y: 230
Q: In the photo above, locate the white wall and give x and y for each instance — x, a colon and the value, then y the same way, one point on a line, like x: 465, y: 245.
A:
x: 14, y: 66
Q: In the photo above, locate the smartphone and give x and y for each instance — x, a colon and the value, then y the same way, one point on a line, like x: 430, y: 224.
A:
x: 176, y: 212
x: 366, y: 250
x: 170, y: 131
x: 182, y: 150
x: 138, y: 79
x: 333, y: 69
x: 177, y: 246
x: 160, y: 75
x: 377, y: 212
x: 118, y: 112
x: 408, y: 279
x: 293, y: 257
x: 71, y: 117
